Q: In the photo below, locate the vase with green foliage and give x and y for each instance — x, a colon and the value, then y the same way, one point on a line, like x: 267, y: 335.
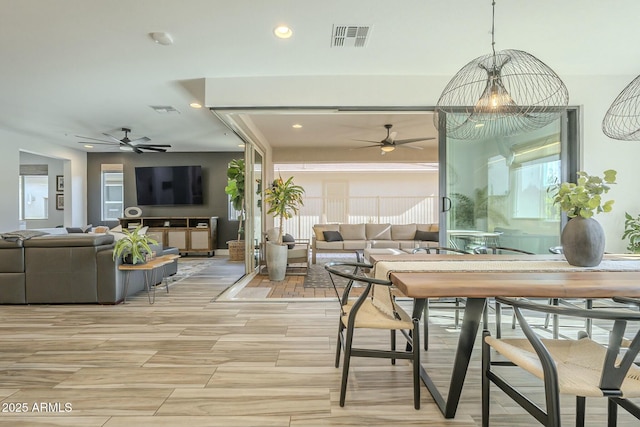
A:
x: 236, y: 190
x: 583, y: 239
x: 632, y: 232
x: 284, y: 199
x: 133, y: 247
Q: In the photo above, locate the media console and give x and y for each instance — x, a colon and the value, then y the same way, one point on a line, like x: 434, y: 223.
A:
x: 193, y: 234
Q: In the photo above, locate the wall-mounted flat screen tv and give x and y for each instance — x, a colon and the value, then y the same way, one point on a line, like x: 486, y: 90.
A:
x: 169, y: 185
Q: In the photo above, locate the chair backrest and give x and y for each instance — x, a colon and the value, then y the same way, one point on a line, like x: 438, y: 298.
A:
x: 616, y: 364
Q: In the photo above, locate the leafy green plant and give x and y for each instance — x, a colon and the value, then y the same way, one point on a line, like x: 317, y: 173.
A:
x: 584, y: 198
x: 133, y: 244
x: 632, y: 232
x: 284, y: 199
x: 236, y: 190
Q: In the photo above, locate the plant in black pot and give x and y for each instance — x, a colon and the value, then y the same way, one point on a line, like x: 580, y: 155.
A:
x: 236, y: 190
x: 133, y: 247
x: 583, y: 237
x: 284, y: 199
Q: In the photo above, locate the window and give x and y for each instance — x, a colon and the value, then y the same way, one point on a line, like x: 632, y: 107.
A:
x: 112, y: 191
x: 34, y: 192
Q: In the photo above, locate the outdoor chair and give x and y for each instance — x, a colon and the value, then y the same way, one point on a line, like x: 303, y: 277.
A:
x: 581, y: 367
x: 375, y: 308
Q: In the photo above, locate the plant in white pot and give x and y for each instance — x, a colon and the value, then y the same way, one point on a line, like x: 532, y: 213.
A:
x: 284, y: 199
x: 236, y: 190
x: 583, y: 237
x: 133, y: 247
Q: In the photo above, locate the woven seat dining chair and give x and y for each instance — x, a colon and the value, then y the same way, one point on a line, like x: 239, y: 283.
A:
x: 458, y: 303
x: 580, y: 367
x: 375, y: 308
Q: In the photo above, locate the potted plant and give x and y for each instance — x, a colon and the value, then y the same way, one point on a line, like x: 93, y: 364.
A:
x: 133, y: 247
x: 284, y: 199
x: 632, y: 232
x: 583, y: 237
x: 235, y: 189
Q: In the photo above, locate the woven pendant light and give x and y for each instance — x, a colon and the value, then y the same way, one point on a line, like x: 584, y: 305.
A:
x: 500, y: 94
x: 622, y: 120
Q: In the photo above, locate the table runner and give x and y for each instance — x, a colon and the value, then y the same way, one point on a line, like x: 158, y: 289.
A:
x: 383, y: 269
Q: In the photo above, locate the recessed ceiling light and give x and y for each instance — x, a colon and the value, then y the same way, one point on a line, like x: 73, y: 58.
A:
x: 88, y: 146
x: 282, y: 32
x: 195, y: 105
x: 241, y: 145
x: 297, y: 126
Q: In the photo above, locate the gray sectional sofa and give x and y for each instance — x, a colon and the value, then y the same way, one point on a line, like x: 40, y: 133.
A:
x: 64, y: 269
x: 352, y: 237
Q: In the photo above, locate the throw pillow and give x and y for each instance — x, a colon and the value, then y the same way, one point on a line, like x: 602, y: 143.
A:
x: 428, y: 236
x: 288, y: 238
x: 332, y: 236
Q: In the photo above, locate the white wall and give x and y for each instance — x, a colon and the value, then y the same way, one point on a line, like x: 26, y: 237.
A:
x: 75, y: 167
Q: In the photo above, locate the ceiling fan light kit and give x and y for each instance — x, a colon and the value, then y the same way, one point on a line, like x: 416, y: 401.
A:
x: 500, y: 94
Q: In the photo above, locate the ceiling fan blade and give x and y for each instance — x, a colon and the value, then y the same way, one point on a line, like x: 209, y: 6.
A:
x: 113, y: 138
x: 406, y: 141
x: 96, y: 139
x: 160, y: 150
x: 152, y: 145
x: 141, y: 139
x: 412, y: 147
x: 391, y: 137
x: 113, y: 144
x: 366, y: 140
x: 366, y: 146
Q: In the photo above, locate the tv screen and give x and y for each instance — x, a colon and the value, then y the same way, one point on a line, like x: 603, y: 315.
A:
x: 169, y: 185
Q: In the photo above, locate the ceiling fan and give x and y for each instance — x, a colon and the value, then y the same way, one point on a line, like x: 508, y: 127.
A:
x: 389, y: 144
x: 137, y: 145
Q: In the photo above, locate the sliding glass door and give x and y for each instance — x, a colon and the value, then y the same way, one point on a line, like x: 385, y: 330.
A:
x: 495, y: 190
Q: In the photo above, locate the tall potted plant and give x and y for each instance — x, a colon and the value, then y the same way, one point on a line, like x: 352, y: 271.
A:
x: 583, y: 237
x: 236, y: 190
x: 284, y: 199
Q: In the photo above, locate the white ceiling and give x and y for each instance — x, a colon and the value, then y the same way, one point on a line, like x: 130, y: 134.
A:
x: 84, y: 67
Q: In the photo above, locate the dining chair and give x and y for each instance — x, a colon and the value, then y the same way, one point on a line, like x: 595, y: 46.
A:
x: 458, y: 303
x: 580, y: 367
x: 375, y: 308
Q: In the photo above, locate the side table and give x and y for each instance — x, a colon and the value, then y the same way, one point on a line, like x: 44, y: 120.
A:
x: 149, y: 268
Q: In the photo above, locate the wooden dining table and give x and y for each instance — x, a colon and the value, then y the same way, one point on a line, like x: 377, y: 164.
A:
x: 478, y: 277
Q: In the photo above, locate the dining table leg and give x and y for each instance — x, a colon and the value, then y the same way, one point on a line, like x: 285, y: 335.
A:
x: 468, y: 333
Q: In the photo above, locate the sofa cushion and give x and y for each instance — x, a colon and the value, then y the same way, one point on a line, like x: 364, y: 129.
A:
x: 352, y: 231
x: 69, y: 240
x: 427, y: 227
x: 403, y: 232
x: 385, y: 244
x: 429, y: 236
x: 332, y: 236
x: 319, y: 228
x: 378, y: 231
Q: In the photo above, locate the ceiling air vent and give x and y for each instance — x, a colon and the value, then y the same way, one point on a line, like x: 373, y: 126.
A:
x: 164, y: 109
x: 349, y: 36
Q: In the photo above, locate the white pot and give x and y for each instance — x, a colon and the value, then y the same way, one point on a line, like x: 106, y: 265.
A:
x: 276, y: 261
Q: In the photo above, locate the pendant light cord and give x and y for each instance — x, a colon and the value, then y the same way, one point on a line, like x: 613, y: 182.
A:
x: 493, y: 30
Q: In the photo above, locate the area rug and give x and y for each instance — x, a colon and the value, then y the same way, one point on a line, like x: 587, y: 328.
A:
x: 318, y: 277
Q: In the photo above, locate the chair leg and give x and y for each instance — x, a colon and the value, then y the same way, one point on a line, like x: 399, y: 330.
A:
x: 393, y: 344
x: 498, y: 319
x: 339, y: 344
x: 486, y: 364
x: 345, y: 365
x: 580, y: 410
x: 588, y: 303
x: 457, y: 313
x: 425, y: 319
x: 612, y: 413
x: 416, y: 363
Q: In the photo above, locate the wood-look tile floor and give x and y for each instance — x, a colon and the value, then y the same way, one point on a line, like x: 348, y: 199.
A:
x: 190, y: 359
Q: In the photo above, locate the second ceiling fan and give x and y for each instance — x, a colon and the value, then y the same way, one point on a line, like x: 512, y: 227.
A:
x: 389, y: 144
x: 136, y: 145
